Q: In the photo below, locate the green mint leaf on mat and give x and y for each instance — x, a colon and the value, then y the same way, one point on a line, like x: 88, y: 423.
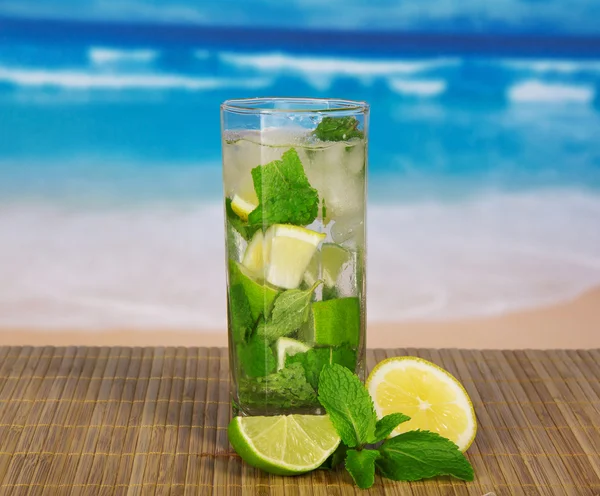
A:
x: 416, y: 455
x: 256, y: 357
x: 240, y: 315
x: 290, y: 311
x: 348, y: 404
x: 284, y: 389
x: 315, y: 359
x: 338, y: 129
x: 361, y: 466
x: 284, y: 193
x: 387, y: 424
x: 234, y: 221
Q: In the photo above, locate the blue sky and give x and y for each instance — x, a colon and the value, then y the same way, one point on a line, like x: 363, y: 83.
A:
x: 475, y: 16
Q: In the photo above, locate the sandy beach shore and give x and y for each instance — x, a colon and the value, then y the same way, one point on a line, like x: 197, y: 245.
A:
x: 573, y: 324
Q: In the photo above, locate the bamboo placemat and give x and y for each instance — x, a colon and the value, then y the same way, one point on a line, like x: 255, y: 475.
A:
x: 152, y: 421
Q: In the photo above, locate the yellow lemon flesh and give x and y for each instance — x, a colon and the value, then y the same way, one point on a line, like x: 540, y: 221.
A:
x: 429, y: 395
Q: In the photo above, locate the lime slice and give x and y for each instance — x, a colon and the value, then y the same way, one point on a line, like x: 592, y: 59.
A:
x: 428, y: 394
x: 286, y: 347
x: 334, y: 323
x: 260, y: 295
x: 288, y: 251
x: 284, y: 444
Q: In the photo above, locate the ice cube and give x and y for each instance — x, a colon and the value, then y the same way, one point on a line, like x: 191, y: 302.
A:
x: 349, y: 228
x: 355, y: 158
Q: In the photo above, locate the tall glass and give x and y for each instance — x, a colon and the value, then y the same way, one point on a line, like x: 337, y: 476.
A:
x: 295, y: 177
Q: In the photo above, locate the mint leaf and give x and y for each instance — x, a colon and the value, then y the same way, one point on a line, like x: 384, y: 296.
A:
x: 256, y: 357
x: 284, y: 389
x: 417, y: 455
x: 290, y: 311
x: 234, y: 221
x: 284, y: 193
x: 361, y: 466
x: 315, y: 359
x: 338, y: 129
x: 387, y: 424
x: 240, y: 315
x: 348, y: 404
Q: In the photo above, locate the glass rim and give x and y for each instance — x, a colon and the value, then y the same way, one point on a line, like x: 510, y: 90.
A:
x: 321, y: 105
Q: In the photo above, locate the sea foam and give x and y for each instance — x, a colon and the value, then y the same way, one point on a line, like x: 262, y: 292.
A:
x: 540, y: 91
x: 103, y: 55
x: 79, y: 79
x: 280, y: 62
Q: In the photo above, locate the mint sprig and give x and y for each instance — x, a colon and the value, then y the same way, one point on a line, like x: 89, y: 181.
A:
x: 290, y: 311
x: 348, y: 404
x: 410, y: 456
x: 417, y: 455
x: 387, y: 424
x: 338, y: 129
x: 361, y: 466
x: 285, y: 196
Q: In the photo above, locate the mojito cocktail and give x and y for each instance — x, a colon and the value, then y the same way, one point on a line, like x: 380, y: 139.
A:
x: 294, y: 174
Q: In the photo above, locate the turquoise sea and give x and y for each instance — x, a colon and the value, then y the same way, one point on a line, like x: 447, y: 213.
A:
x: 484, y: 167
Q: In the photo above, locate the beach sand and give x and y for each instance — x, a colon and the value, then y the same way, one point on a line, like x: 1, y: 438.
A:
x: 573, y: 324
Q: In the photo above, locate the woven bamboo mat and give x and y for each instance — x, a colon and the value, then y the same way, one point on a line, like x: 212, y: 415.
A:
x: 152, y: 421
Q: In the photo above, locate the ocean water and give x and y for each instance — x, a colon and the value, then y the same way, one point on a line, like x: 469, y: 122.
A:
x: 484, y: 178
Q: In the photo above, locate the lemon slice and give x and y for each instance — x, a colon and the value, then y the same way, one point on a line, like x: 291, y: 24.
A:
x: 286, y: 347
x: 284, y: 444
x: 282, y: 254
x: 429, y: 395
x: 254, y: 254
x: 242, y: 207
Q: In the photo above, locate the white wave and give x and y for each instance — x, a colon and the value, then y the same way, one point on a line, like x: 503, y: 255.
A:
x: 90, y: 80
x: 553, y: 65
x: 540, y: 91
x: 279, y: 62
x: 102, y: 55
x: 161, y: 267
x: 422, y: 88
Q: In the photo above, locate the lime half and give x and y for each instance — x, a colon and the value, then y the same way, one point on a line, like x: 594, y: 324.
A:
x: 286, y: 347
x: 285, y: 444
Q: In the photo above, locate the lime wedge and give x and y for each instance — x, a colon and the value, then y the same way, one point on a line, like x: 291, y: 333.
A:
x: 288, y: 254
x: 260, y: 294
x: 284, y: 444
x: 334, y: 323
x: 286, y: 347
